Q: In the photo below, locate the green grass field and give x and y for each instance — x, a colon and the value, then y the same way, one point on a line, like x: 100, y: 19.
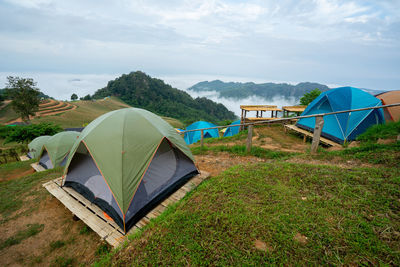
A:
x: 281, y: 213
x: 85, y: 112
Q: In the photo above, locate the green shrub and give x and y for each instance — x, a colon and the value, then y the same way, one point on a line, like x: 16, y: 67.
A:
x: 25, y: 134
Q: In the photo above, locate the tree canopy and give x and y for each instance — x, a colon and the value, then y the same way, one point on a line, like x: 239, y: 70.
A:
x: 74, y: 97
x: 307, y: 98
x: 24, y: 95
x: 143, y: 91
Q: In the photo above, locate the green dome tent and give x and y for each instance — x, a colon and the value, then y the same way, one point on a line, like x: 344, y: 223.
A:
x: 126, y: 162
x: 36, y: 145
x: 56, y: 149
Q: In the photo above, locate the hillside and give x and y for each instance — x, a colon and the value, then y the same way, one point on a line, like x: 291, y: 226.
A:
x: 237, y: 90
x: 74, y: 114
x: 143, y: 91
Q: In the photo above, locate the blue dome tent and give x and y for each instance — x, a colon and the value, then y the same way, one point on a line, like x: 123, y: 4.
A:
x: 193, y: 137
x: 231, y: 131
x: 344, y: 126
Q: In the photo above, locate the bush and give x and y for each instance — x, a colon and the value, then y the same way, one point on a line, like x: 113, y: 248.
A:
x: 25, y: 134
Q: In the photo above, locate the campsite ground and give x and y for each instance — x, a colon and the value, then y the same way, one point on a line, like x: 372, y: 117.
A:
x: 276, y: 205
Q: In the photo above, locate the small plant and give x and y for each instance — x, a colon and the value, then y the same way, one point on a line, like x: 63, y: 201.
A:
x: 85, y: 230
x: 102, y: 249
x: 32, y: 229
x: 57, y: 244
x: 64, y: 262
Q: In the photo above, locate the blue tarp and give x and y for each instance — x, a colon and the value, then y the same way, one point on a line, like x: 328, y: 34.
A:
x: 193, y: 137
x: 231, y: 131
x: 345, y: 126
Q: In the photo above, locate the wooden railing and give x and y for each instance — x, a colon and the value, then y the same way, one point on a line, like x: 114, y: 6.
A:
x: 319, y: 123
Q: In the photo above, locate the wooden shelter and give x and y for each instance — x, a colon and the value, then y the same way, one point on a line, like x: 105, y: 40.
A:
x: 296, y: 109
x: 259, y: 109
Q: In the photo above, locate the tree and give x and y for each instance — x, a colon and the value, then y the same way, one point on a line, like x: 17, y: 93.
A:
x: 24, y: 96
x: 74, y: 97
x: 307, y: 98
x: 86, y: 97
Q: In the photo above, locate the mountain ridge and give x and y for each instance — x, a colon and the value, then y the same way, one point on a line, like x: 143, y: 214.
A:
x: 239, y: 90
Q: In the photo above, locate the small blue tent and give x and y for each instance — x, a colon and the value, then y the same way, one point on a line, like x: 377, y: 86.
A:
x: 344, y: 126
x: 231, y: 131
x: 193, y: 137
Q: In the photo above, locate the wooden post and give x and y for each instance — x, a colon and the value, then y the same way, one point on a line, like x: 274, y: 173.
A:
x: 249, y: 138
x: 241, y: 121
x: 202, y: 139
x: 319, y: 123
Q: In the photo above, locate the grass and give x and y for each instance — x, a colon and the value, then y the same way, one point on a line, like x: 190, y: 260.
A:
x: 9, y: 168
x: 31, y: 230
x: 87, y: 111
x: 240, y: 136
x: 241, y: 151
x: 63, y: 262
x: 386, y: 154
x: 380, y: 131
x: 12, y: 192
x: 280, y: 214
x: 56, y: 244
x: 7, y: 114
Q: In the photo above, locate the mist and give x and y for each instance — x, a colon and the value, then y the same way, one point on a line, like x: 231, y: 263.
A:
x: 234, y: 104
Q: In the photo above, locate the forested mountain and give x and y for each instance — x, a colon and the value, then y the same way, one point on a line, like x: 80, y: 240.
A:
x: 239, y: 90
x: 140, y: 90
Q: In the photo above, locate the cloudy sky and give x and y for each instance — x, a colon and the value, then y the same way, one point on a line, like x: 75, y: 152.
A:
x: 79, y: 45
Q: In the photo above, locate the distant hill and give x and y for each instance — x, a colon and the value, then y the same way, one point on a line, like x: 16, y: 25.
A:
x: 237, y: 90
x: 140, y: 90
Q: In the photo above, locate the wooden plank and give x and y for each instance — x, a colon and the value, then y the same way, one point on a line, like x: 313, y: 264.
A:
x: 94, y: 217
x: 250, y: 119
x: 304, y: 132
x: 294, y: 108
x: 37, y: 167
x: 257, y: 107
x: 101, y: 227
x: 24, y: 158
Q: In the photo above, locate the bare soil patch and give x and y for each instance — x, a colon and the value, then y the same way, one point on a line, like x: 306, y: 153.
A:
x: 58, y: 226
x: 219, y: 162
x: 17, y: 174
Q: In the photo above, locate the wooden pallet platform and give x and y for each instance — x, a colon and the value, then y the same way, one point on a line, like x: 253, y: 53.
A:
x: 251, y: 119
x: 37, y: 167
x: 323, y: 140
x: 24, y: 158
x: 94, y: 217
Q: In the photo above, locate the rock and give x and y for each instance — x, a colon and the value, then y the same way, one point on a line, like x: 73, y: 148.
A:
x: 300, y: 238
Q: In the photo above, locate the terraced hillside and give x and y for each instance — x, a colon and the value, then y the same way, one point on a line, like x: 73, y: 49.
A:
x: 73, y: 114
x: 46, y: 108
